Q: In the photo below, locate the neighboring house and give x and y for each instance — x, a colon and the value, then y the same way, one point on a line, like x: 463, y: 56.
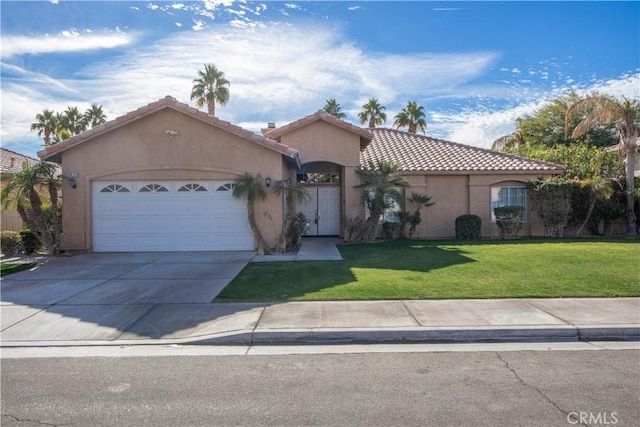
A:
x: 11, y: 163
x: 160, y: 178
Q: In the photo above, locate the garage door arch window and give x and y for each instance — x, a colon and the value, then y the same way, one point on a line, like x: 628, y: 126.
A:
x: 154, y: 188
x: 226, y: 187
x: 114, y: 188
x: 191, y: 187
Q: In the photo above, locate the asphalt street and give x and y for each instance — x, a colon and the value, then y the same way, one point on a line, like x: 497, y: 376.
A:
x: 483, y: 388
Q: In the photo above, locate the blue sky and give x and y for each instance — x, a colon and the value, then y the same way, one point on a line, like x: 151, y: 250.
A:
x: 474, y: 66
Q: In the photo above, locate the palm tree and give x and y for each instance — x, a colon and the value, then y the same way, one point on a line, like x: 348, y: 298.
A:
x: 380, y: 181
x: 210, y: 88
x: 412, y: 116
x: 415, y: 219
x: 95, y: 116
x: 294, y: 194
x: 333, y: 108
x: 602, y: 111
x: 73, y: 121
x: 22, y: 190
x: 509, y: 142
x: 46, y: 124
x: 252, y: 188
x: 373, y: 113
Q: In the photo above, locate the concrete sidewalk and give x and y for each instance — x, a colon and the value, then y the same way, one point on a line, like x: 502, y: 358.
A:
x: 164, y: 298
x: 506, y: 320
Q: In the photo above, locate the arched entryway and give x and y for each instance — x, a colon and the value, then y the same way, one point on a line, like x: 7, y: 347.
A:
x: 323, y: 181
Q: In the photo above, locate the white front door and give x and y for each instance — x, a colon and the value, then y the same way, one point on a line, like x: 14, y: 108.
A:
x: 322, y: 211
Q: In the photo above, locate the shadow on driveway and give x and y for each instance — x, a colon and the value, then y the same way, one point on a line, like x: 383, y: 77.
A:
x: 124, y: 296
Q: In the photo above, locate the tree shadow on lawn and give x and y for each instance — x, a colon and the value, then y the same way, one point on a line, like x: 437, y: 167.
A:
x: 281, y: 281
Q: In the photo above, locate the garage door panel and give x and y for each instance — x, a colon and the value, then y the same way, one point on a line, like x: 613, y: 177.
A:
x: 114, y: 206
x: 160, y: 225
x: 169, y: 220
x: 112, y: 224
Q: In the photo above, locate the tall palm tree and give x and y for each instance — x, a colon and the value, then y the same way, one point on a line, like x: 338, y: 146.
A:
x: 252, y: 188
x: 373, y: 113
x: 332, y: 107
x: 380, y: 181
x: 412, y: 116
x: 73, y: 121
x: 46, y: 124
x: 95, y: 116
x: 210, y: 88
x: 625, y: 114
x: 22, y: 190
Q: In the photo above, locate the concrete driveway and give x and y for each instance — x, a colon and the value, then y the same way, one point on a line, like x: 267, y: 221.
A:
x: 105, y: 296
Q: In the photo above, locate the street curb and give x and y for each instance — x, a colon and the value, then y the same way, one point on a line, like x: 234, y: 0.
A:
x: 505, y: 334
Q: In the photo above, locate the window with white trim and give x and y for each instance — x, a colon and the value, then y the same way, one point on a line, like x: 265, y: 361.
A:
x: 508, y: 196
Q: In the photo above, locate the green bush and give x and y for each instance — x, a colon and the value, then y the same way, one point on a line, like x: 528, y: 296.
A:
x: 551, y: 199
x: 389, y: 229
x: 10, y: 243
x: 298, y: 226
x: 30, y: 242
x: 509, y: 220
x: 468, y: 227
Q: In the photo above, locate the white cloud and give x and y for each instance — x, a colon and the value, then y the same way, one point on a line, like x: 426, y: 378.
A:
x: 198, y: 25
x: 278, y: 78
x: 274, y: 79
x: 483, y: 126
x: 67, y: 41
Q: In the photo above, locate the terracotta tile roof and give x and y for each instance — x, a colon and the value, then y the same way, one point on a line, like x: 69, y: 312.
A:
x: 419, y: 153
x: 365, y: 134
x: 11, y: 161
x: 53, y: 152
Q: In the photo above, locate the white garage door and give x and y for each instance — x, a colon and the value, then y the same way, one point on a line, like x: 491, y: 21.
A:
x: 141, y: 216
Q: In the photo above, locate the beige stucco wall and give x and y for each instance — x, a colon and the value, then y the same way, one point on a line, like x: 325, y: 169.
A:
x: 324, y: 142
x: 456, y: 195
x: 142, y: 150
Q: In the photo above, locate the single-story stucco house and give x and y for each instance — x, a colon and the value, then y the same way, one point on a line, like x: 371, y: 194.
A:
x: 160, y: 178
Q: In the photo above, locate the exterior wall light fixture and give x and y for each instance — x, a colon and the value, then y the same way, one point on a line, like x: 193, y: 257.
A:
x: 267, y: 181
x: 71, y: 176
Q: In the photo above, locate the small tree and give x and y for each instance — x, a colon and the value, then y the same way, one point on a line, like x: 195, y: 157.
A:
x: 380, y: 181
x: 22, y: 190
x: 415, y: 218
x: 551, y: 199
x: 294, y: 193
x: 252, y: 188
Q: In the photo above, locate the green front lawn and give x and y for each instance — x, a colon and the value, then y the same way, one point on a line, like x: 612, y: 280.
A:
x: 405, y: 269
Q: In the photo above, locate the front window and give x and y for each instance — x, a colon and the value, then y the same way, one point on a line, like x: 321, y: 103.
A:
x: 391, y: 212
x: 508, y: 196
